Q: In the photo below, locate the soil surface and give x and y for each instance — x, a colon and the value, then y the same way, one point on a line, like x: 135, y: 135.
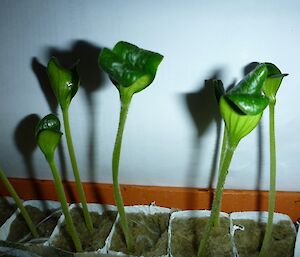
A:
x: 6, y: 210
x: 249, y: 241
x: 149, y: 232
x: 19, y: 228
x: 187, y: 234
x: 91, y: 241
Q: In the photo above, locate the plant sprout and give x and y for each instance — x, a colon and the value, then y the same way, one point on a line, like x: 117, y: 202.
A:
x: 48, y: 136
x: 241, y: 108
x: 270, y: 89
x: 65, y: 84
x: 19, y: 203
x: 131, y: 69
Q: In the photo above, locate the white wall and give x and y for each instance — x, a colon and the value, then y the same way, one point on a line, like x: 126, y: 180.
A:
x: 161, y: 146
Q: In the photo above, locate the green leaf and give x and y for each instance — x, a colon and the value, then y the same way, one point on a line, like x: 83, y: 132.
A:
x: 250, y: 105
x: 247, y: 94
x: 238, y: 125
x: 64, y: 82
x: 48, y: 135
x: 273, y: 81
x: 130, y: 66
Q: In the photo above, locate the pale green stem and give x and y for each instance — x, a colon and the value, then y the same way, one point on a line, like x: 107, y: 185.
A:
x: 79, y: 186
x: 224, y: 142
x: 268, y: 234
x: 125, y: 102
x: 215, y: 211
x: 64, y: 205
x: 19, y: 204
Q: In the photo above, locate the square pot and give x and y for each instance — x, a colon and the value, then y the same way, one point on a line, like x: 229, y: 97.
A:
x: 297, y: 244
x: 7, y: 208
x: 43, y: 213
x: 187, y: 228
x: 248, y: 230
x: 103, y: 217
x: 148, y: 226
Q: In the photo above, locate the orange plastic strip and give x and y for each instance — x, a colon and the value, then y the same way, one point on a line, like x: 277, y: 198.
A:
x: 173, y: 197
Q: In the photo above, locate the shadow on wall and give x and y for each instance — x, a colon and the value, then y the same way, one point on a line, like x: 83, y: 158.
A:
x: 24, y: 137
x: 203, y: 108
x: 91, y: 80
x: 248, y: 68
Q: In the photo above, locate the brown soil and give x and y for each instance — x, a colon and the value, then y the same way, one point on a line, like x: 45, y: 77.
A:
x: 19, y: 228
x: 91, y: 241
x: 249, y: 241
x: 6, y: 210
x: 149, y: 232
x: 187, y: 233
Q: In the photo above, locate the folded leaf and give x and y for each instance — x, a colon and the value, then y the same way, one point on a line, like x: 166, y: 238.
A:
x: 64, y: 82
x: 48, y: 135
x: 273, y: 81
x: 238, y: 125
x: 130, y: 66
x: 247, y: 94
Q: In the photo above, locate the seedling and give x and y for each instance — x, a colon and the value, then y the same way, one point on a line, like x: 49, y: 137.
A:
x: 131, y: 69
x: 65, y: 84
x: 241, y: 108
x: 48, y: 136
x: 270, y: 89
x: 19, y: 204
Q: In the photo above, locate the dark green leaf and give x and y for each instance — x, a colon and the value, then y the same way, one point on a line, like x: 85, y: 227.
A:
x: 130, y: 66
x: 64, y: 82
x: 248, y: 104
x: 48, y: 135
x: 247, y: 94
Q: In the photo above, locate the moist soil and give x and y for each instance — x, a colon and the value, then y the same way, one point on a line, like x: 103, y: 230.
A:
x: 6, y: 210
x: 249, y: 241
x: 188, y: 232
x: 149, y: 232
x: 91, y: 241
x: 19, y: 228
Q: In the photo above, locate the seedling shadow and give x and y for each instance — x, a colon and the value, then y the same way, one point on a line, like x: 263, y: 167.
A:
x: 248, y: 68
x: 24, y: 137
x: 203, y: 109
x: 91, y: 81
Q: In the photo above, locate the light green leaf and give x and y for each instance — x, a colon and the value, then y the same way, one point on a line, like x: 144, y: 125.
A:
x: 238, y: 125
x: 64, y: 82
x: 48, y: 135
x: 273, y: 81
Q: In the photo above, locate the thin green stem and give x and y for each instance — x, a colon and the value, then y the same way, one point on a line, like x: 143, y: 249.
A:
x: 125, y: 102
x: 268, y: 234
x: 213, y: 221
x: 79, y: 186
x: 19, y: 203
x: 64, y: 205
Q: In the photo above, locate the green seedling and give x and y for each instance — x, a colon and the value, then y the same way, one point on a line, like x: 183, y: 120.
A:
x: 19, y: 204
x: 131, y: 70
x: 241, y: 108
x: 48, y: 136
x: 65, y: 84
x: 270, y: 89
